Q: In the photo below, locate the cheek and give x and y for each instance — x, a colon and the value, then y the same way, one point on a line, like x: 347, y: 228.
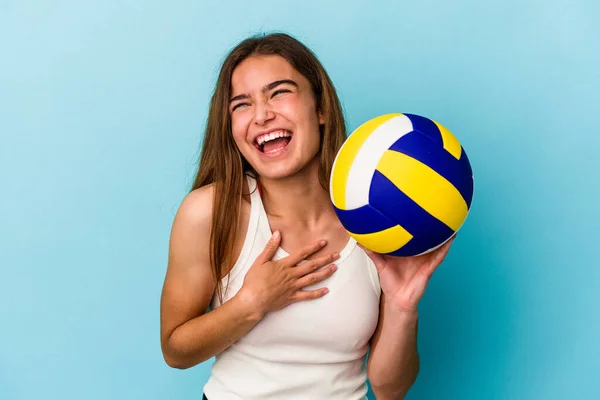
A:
x: 300, y: 111
x: 239, y: 125
x: 309, y: 121
x: 287, y: 107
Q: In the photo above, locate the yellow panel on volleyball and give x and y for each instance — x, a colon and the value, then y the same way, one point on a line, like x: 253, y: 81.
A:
x: 384, y: 241
x: 346, y: 155
x: 434, y: 193
x: 450, y: 142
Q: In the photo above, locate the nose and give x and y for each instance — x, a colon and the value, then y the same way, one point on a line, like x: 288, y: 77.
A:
x: 262, y: 113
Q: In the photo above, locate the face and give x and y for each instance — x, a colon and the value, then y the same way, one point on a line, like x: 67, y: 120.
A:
x: 274, y: 119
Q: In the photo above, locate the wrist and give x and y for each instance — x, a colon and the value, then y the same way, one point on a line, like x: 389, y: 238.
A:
x: 401, y: 310
x: 248, y: 305
x: 400, y: 319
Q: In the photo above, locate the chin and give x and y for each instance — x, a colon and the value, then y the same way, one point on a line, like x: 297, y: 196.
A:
x: 286, y: 169
x: 277, y: 172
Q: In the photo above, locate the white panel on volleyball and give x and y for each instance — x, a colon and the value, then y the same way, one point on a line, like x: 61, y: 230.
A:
x: 365, y: 162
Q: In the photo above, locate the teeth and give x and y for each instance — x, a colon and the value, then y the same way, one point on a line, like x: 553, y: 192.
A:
x: 271, y: 136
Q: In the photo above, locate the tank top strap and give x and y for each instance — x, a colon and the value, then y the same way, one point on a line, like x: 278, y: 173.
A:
x: 244, y: 260
x: 263, y: 225
x: 256, y: 208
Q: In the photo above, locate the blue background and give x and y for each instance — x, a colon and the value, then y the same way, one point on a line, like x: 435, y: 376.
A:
x: 102, y: 105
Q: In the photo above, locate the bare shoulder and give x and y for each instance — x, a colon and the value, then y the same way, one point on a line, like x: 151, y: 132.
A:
x: 190, y: 234
x: 196, y: 208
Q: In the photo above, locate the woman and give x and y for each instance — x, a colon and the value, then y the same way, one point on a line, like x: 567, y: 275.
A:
x: 261, y: 272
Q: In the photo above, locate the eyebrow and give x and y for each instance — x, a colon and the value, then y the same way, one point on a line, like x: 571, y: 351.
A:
x: 266, y: 88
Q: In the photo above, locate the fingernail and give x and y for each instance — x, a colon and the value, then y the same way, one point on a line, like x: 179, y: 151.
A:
x: 323, y: 242
x: 276, y: 235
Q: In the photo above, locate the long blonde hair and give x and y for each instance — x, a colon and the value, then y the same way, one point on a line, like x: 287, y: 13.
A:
x: 222, y: 164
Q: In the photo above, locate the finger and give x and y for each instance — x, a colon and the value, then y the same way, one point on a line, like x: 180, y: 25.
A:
x: 441, y: 253
x: 438, y: 256
x: 303, y: 295
x: 304, y: 253
x: 315, y: 277
x: 270, y: 249
x: 312, y: 265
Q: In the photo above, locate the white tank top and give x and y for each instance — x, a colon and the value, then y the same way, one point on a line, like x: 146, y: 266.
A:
x: 308, y: 350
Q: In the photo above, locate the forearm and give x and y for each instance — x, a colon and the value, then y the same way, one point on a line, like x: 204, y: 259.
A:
x: 208, y: 335
x: 394, y: 361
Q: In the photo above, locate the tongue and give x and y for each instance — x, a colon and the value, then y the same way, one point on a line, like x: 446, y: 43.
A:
x: 275, y: 144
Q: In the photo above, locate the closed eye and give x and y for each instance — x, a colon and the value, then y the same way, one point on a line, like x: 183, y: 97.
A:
x: 280, y: 91
x: 238, y: 105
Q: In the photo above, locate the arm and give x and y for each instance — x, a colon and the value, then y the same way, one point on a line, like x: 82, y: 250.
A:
x: 393, y: 362
x: 189, y: 335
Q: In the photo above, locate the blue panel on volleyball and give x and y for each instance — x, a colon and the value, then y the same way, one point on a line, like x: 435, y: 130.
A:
x: 426, y: 126
x: 365, y: 219
x: 427, y: 230
x: 465, y: 163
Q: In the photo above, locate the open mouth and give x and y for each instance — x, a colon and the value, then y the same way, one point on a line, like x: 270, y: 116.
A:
x: 273, y: 142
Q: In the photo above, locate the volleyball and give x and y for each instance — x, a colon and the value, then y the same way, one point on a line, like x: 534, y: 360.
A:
x: 401, y: 184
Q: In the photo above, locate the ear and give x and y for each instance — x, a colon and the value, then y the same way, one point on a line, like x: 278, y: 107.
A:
x: 321, y: 118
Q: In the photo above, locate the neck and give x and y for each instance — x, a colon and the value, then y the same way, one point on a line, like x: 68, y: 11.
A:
x: 299, y: 197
